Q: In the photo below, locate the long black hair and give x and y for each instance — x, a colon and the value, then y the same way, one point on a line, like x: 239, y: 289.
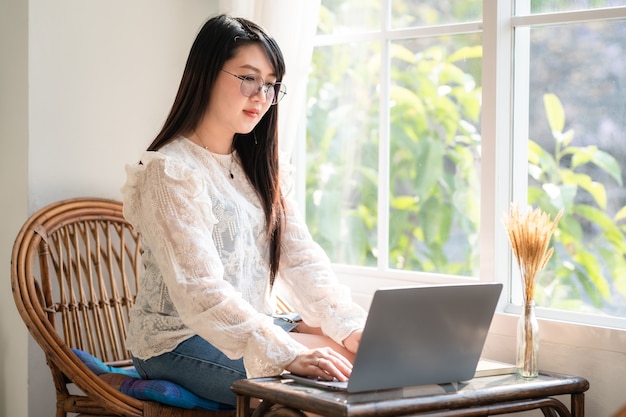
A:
x: 216, y: 43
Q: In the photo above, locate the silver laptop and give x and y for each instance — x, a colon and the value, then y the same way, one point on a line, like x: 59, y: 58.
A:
x: 420, y: 335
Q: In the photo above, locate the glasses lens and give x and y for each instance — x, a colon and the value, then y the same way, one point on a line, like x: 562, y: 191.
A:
x: 250, y: 85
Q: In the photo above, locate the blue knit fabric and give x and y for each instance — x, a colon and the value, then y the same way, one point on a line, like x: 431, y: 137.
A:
x: 128, y: 381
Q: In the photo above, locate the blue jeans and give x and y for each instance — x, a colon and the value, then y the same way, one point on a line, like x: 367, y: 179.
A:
x: 198, y: 366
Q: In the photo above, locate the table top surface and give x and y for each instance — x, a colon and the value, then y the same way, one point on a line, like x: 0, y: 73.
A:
x: 478, y: 391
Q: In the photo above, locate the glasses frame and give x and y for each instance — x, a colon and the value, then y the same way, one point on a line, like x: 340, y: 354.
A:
x: 278, y: 94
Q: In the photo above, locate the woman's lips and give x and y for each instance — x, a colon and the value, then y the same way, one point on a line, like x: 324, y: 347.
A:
x: 251, y: 113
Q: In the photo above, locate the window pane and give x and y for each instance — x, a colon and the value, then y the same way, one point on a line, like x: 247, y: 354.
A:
x: 577, y: 100
x: 435, y: 154
x: 414, y: 13
x: 342, y: 151
x: 348, y: 16
x: 545, y: 6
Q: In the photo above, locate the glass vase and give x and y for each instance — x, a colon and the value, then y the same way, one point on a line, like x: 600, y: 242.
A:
x: 528, y: 342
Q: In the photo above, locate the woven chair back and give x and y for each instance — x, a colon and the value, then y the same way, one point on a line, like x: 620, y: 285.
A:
x: 88, y: 258
x: 74, y: 270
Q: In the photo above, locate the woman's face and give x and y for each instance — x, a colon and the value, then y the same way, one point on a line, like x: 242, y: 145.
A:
x: 230, y: 111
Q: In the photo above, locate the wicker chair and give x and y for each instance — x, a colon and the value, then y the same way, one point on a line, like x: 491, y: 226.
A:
x: 74, y: 272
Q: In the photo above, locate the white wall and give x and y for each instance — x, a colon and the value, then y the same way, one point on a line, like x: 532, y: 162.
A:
x: 103, y: 75
x: 84, y: 87
x: 14, y: 191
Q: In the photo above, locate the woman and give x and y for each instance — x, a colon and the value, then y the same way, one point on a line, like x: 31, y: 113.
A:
x: 220, y: 235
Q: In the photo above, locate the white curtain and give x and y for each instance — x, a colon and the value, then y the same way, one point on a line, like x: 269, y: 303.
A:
x: 293, y: 24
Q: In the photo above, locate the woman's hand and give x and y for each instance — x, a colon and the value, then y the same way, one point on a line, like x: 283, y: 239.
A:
x: 325, y: 358
x: 321, y: 362
x: 352, y: 341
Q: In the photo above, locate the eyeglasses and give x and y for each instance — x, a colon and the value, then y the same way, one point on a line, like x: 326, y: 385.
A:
x: 251, y: 85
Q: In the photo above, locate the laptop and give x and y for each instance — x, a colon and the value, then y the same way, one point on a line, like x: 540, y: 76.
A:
x: 420, y: 336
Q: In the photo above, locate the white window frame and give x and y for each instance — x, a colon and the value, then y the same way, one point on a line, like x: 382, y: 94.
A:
x: 500, y: 61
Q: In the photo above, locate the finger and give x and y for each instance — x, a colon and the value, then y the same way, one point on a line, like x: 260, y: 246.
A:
x: 331, y: 371
x: 336, y: 357
x: 323, y: 363
x: 316, y: 361
x: 333, y: 366
x: 339, y: 360
x: 344, y: 361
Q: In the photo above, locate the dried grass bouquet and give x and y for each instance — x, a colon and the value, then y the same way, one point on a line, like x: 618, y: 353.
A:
x: 530, y: 233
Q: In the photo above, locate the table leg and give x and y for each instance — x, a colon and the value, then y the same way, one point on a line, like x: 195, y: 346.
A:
x: 269, y: 409
x: 243, y: 406
x: 578, y: 405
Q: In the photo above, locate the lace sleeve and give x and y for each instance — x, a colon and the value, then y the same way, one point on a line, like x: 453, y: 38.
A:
x: 169, y: 205
x: 307, y: 279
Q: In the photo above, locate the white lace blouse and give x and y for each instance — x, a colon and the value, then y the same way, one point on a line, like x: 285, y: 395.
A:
x: 206, y: 262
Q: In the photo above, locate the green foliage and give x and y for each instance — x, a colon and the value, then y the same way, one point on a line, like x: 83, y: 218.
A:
x: 590, y: 243
x: 433, y: 154
x: 342, y: 152
x: 434, y: 162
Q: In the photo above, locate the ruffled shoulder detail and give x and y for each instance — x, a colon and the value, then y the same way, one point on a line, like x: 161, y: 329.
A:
x: 175, y: 179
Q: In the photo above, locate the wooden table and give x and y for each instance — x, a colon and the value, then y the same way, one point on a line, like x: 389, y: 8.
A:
x: 483, y: 396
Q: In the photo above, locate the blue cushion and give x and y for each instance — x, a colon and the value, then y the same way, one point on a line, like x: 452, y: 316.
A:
x: 130, y: 383
x: 98, y: 367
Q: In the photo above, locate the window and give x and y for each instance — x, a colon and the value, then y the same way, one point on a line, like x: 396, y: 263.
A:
x: 572, y: 112
x: 397, y: 108
x: 419, y: 136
